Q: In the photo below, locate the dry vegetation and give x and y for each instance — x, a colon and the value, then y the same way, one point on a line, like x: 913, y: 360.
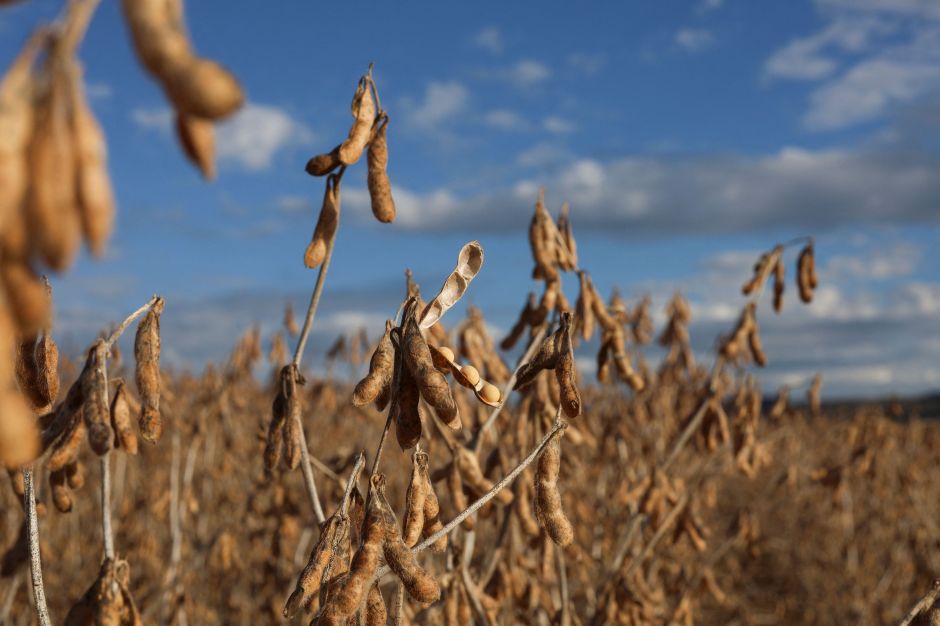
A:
x: 451, y: 484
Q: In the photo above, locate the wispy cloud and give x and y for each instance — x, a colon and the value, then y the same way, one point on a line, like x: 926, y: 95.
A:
x: 489, y: 39
x: 253, y: 136
x: 250, y: 139
x: 504, y: 119
x: 585, y: 63
x: 873, y: 57
x: 523, y: 73
x: 643, y: 195
x: 441, y: 102
x: 694, y: 39
x: 557, y: 125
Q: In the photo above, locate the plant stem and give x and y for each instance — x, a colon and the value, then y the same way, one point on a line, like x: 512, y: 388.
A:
x: 923, y: 604
x: 35, y: 559
x: 502, y: 484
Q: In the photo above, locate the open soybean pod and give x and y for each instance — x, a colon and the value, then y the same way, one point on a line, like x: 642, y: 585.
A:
x: 327, y: 224
x: 469, y: 262
x: 363, y: 110
x: 467, y: 375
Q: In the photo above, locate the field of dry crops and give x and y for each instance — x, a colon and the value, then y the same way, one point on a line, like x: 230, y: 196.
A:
x: 458, y: 478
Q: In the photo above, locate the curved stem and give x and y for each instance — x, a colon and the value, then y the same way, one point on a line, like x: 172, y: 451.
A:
x: 502, y: 484
x: 35, y: 559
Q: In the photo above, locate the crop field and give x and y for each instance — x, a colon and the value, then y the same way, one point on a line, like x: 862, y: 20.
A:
x: 457, y: 475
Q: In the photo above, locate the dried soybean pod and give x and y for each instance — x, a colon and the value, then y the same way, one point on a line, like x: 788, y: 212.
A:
x: 363, y: 109
x: 565, y: 372
x: 469, y: 263
x: 779, y: 283
x: 27, y: 371
x: 95, y: 195
x: 197, y: 137
x: 124, y: 436
x: 471, y: 474
x: 545, y: 358
x: 147, y: 372
x: 381, y: 367
x: 279, y: 416
x: 584, y: 308
x: 292, y: 452
x: 419, y: 585
x: 524, y: 509
x: 349, y: 593
x: 204, y: 88
x: 61, y: 495
x: 521, y: 323
x: 16, y: 128
x: 65, y: 449
x: 327, y: 223
x: 95, y: 408
x: 567, y: 237
x: 433, y: 385
x: 406, y: 409
x: 432, y: 513
x: 52, y: 216
x: 308, y: 584
x: 29, y: 301
x: 75, y: 475
x: 754, y: 343
x: 413, y: 518
x: 548, y: 507
x: 47, y: 361
x: 542, y: 240
x: 380, y: 189
x: 804, y: 273
x: 323, y: 164
x: 458, y: 497
x: 376, y: 613
x: 159, y: 35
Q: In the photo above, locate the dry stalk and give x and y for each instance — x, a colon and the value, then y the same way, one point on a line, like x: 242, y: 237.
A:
x: 35, y: 559
x: 492, y: 493
x: 923, y: 604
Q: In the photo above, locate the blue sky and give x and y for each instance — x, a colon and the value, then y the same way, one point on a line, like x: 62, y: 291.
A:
x: 687, y: 136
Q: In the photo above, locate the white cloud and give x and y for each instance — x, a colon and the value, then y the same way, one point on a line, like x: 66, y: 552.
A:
x: 441, y: 102
x: 503, y: 119
x: 294, y: 204
x: 806, y: 58
x: 523, y: 73
x: 586, y: 63
x: 489, y: 39
x: 557, y: 125
x: 99, y: 91
x: 250, y: 139
x: 694, y: 39
x: 868, y: 90
x: 896, y: 261
x: 642, y: 195
x: 529, y: 72
x: 153, y: 118
x: 874, y: 57
x: 706, y: 6
x: 253, y: 136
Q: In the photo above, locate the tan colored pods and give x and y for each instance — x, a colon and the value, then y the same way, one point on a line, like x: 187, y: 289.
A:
x: 547, y: 498
x: 433, y: 385
x: 197, y: 137
x: 95, y: 408
x: 124, y: 436
x: 469, y: 262
x: 363, y: 110
x: 327, y: 224
x: 380, y: 188
x: 308, y: 584
x: 147, y: 372
x: 413, y: 518
x: 381, y: 367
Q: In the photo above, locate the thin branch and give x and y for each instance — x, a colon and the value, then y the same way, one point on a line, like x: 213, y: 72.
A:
x: 923, y: 604
x: 351, y: 483
x: 309, y: 480
x: 481, y: 502
x: 115, y: 335
x: 35, y: 559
